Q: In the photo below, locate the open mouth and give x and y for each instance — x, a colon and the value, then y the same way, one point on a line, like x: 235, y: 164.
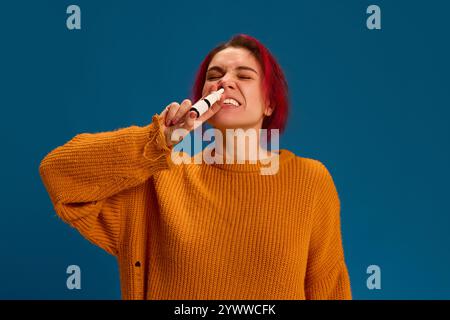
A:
x: 230, y: 103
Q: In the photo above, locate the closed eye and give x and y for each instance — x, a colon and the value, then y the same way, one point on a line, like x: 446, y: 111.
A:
x: 244, y: 77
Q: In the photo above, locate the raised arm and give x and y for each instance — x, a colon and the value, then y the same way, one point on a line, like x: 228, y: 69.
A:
x: 85, y: 176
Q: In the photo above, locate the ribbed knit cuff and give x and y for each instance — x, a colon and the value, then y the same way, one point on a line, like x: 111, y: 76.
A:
x: 157, y: 147
x: 333, y: 286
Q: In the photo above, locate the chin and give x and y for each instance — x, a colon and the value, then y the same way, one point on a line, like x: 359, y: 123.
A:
x: 229, y: 121
x: 224, y: 121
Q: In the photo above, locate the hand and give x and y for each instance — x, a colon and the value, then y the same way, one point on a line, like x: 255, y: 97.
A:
x: 177, y: 116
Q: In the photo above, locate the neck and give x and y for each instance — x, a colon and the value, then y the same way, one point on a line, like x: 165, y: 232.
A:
x: 239, y: 146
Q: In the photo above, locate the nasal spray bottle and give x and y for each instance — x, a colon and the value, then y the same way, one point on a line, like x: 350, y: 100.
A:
x: 201, y: 106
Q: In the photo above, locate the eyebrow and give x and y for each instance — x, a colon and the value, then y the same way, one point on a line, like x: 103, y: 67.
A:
x: 217, y: 68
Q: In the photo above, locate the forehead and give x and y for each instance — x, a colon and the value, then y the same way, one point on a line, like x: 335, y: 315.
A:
x: 234, y: 57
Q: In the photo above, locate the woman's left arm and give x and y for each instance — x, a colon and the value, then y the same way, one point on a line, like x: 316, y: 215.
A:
x: 326, y: 275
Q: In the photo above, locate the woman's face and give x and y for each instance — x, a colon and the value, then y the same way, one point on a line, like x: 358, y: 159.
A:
x: 240, y: 74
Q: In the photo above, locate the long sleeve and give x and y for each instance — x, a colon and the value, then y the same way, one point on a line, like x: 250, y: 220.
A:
x: 326, y: 275
x: 85, y: 176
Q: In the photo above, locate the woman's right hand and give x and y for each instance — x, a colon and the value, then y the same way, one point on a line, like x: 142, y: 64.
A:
x: 176, y: 116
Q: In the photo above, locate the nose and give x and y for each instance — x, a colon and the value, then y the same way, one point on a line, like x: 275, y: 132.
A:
x: 226, y: 84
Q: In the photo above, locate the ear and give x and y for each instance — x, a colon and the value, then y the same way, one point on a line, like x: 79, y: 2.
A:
x: 268, y: 111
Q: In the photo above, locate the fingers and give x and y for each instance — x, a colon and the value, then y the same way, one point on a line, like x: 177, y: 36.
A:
x: 172, y: 110
x: 210, y: 112
x: 191, y: 121
x: 177, y: 116
x: 188, y: 123
x: 181, y: 113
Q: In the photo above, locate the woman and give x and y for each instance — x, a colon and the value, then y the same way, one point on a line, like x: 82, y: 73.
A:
x: 211, y: 230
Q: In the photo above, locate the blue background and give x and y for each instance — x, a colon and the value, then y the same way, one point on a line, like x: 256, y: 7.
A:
x: 372, y: 105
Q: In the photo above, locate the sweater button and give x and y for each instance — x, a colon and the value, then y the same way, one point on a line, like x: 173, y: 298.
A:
x: 137, y: 264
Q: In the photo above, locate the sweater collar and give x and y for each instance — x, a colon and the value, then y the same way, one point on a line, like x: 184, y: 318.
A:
x: 283, y: 156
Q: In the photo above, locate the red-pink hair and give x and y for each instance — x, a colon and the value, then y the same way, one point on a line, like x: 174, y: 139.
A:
x: 275, y: 88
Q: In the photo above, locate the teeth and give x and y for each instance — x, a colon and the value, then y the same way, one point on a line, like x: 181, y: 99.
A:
x: 231, y: 101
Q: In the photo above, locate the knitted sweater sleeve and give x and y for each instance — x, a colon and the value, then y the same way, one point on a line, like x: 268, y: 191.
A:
x: 326, y: 275
x: 85, y: 176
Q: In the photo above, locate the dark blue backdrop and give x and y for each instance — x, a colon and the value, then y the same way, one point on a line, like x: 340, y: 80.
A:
x: 372, y: 105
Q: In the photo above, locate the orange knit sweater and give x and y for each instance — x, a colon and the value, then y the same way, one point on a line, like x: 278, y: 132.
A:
x: 200, y: 231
